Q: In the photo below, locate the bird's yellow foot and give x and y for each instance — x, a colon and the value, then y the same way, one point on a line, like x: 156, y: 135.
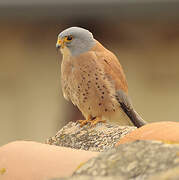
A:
x: 97, y: 120
x: 84, y: 122
x: 92, y: 122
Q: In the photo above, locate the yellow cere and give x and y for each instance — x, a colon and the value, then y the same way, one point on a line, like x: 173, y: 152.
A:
x: 2, y: 171
x: 59, y: 41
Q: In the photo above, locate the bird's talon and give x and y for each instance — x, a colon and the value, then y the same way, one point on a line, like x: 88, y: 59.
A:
x: 91, y: 121
x: 83, y: 122
x: 96, y: 121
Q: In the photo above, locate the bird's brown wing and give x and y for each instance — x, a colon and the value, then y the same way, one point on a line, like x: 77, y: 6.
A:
x: 112, y: 68
x: 115, y: 74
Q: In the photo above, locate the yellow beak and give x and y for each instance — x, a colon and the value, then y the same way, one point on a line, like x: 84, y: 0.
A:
x: 60, y: 44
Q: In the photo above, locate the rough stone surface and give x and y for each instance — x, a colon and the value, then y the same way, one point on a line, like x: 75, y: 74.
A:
x: 171, y: 174
x: 99, y: 138
x: 137, y: 160
x: 140, y: 160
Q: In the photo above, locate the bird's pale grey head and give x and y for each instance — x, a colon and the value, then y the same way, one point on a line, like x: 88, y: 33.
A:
x: 76, y: 39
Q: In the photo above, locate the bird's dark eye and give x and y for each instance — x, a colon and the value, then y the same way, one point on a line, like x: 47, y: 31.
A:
x: 69, y: 38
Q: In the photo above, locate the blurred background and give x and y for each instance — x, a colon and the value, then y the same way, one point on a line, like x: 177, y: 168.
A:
x: 144, y: 34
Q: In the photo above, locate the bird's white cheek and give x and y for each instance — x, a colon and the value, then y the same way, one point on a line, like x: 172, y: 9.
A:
x: 65, y: 51
x: 61, y: 50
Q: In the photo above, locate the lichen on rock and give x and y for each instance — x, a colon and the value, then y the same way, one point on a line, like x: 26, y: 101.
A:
x: 101, y: 137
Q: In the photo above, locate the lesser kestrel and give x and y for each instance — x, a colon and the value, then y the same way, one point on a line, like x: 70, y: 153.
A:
x: 93, y: 79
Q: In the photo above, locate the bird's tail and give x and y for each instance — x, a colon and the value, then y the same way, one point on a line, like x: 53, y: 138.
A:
x: 135, y: 118
x: 127, y: 107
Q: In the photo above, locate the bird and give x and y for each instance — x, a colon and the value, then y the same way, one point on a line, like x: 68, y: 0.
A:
x: 92, y: 78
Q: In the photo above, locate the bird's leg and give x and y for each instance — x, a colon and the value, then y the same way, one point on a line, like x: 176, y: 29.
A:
x: 86, y: 121
x: 97, y: 120
x: 91, y: 120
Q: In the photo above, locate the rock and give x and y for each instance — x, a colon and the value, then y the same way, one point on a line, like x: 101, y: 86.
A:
x: 140, y: 160
x: 99, y: 138
x: 171, y: 174
x: 136, y: 160
x: 160, y: 131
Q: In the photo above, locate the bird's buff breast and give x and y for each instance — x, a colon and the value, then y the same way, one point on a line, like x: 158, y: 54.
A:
x: 84, y: 83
